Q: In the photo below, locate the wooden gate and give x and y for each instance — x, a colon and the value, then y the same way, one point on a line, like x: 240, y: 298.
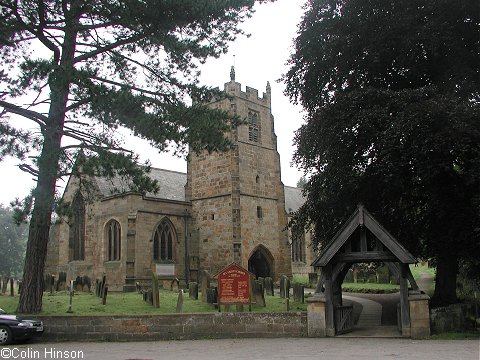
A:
x: 343, y: 319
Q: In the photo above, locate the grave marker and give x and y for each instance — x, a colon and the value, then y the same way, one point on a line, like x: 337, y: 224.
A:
x: 269, y: 286
x: 298, y: 293
x: 193, y: 291
x: 204, y: 284
x: 179, y: 307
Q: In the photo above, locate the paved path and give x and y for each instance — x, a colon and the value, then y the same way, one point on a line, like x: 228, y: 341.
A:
x: 259, y: 349
x: 371, y: 314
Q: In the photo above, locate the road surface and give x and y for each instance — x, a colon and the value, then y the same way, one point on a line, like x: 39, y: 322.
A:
x: 252, y: 349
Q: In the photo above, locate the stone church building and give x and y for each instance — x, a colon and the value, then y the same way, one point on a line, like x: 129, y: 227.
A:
x: 230, y: 206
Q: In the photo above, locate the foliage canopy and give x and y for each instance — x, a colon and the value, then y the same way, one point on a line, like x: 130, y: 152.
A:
x: 392, y: 96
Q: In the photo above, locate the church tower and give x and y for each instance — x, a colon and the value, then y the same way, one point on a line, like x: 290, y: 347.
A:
x: 237, y: 197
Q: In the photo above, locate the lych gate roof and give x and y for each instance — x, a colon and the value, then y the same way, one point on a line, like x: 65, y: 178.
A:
x: 172, y: 187
x: 393, y: 250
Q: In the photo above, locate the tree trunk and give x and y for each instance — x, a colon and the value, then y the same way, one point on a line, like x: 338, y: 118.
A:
x: 446, y: 280
x: 48, y: 167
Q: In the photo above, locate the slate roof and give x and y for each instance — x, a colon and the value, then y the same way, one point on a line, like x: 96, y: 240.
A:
x: 172, y: 187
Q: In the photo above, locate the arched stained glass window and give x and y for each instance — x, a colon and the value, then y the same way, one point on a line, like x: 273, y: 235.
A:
x: 114, y: 242
x: 77, y: 228
x: 163, y: 241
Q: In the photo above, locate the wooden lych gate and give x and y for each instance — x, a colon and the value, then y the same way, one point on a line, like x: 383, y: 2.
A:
x: 361, y: 239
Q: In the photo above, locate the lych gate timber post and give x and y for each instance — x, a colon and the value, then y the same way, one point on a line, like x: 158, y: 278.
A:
x: 363, y: 239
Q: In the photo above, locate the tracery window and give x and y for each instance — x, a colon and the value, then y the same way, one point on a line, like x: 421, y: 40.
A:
x: 114, y: 242
x: 77, y: 228
x: 163, y: 241
x: 298, y: 249
x: 253, y: 126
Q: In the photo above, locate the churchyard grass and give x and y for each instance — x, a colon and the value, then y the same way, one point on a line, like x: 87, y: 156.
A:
x: 87, y: 304
x: 418, y: 270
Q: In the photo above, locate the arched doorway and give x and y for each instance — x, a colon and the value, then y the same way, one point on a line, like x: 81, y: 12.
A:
x: 260, y: 262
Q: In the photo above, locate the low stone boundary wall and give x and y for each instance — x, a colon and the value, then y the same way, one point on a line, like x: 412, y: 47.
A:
x: 174, y: 326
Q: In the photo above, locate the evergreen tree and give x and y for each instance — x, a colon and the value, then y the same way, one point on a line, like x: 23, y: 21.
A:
x: 392, y: 93
x: 13, y: 240
x: 79, y: 69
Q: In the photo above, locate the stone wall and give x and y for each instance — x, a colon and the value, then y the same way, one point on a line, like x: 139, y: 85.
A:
x: 456, y: 317
x: 174, y: 326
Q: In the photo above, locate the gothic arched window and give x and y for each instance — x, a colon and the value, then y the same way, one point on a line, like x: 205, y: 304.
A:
x: 114, y: 242
x: 163, y: 241
x: 253, y: 126
x: 298, y: 248
x: 77, y: 228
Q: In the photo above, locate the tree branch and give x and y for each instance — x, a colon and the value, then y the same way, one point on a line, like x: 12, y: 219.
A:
x: 108, y: 47
x: 29, y: 114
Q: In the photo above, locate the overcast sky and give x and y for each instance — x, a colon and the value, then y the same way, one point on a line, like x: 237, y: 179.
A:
x: 258, y: 59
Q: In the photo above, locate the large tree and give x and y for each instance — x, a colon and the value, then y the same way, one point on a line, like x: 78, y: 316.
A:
x: 79, y: 69
x: 13, y: 240
x: 392, y: 94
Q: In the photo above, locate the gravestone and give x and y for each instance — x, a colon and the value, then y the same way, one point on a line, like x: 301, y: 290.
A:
x: 179, y: 307
x: 269, y: 286
x: 284, y: 287
x: 193, y: 291
x: 258, y: 293
x: 204, y: 284
x: 155, y: 290
x: 312, y: 279
x: 262, y: 281
x: 175, y: 285
x: 298, y: 293
x: 104, y: 295
x: 212, y: 295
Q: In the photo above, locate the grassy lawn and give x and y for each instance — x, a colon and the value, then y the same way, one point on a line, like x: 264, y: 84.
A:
x: 133, y: 304
x: 418, y: 270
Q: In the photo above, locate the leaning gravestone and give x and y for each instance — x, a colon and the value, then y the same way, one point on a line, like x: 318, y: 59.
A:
x: 298, y: 293
x: 193, y: 291
x: 204, y: 284
x: 258, y: 293
x: 269, y: 286
x: 179, y: 307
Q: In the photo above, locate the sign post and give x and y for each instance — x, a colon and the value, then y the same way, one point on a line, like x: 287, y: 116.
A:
x: 233, y: 286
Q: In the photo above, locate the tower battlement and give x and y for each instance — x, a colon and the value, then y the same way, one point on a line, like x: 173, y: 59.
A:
x: 234, y: 88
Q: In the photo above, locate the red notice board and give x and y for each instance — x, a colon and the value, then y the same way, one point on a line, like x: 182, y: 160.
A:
x: 234, y: 285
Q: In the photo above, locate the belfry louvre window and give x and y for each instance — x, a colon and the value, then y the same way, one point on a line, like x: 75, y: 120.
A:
x: 163, y: 241
x: 253, y: 126
x: 114, y: 241
x: 77, y: 228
